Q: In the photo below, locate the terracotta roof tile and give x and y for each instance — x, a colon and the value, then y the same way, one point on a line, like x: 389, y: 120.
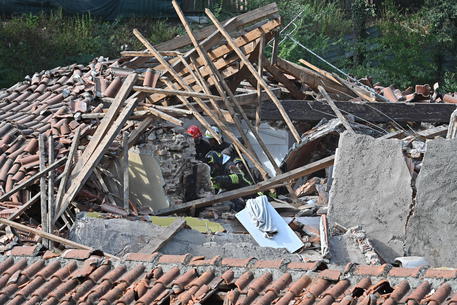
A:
x: 170, y: 259
x: 441, y: 273
x: 140, y: 257
x: 371, y: 270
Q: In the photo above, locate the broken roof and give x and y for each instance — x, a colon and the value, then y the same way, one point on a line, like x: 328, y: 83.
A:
x: 83, y: 277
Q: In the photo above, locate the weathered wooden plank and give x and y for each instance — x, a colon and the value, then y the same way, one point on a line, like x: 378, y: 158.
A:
x: 248, y: 190
x: 125, y: 170
x: 43, y: 187
x: 335, y: 109
x: 374, y: 111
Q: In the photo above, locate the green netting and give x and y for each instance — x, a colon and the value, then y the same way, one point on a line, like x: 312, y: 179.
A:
x: 108, y: 9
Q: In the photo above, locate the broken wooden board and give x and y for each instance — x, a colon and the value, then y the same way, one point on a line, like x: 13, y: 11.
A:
x: 373, y: 112
x: 248, y: 190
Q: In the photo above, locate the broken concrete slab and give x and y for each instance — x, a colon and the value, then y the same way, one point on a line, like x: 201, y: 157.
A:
x: 372, y: 188
x: 118, y: 236
x: 431, y: 229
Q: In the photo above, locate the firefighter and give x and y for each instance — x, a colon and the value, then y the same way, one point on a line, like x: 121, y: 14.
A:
x: 215, y: 146
x: 201, y: 146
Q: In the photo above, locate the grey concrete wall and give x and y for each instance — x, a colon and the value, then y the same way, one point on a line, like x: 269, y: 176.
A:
x: 372, y: 188
x: 432, y: 228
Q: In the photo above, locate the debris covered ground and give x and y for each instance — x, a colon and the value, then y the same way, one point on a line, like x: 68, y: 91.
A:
x: 98, y: 176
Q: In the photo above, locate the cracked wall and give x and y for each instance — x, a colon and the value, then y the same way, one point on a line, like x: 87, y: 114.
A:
x: 431, y: 230
x: 372, y: 188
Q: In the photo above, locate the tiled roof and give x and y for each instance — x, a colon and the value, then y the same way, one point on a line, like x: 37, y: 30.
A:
x: 82, y: 277
x: 45, y: 103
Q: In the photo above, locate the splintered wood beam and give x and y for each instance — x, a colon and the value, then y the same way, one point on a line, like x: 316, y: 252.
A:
x: 374, y: 112
x: 335, y: 109
x: 175, y: 92
x: 253, y: 189
x: 320, y: 71
x: 49, y: 236
x: 163, y: 116
x: 51, y: 201
x: 251, y: 68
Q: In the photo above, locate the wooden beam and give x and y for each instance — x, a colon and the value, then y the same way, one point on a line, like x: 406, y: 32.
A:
x: 249, y: 190
x: 86, y: 170
x: 259, y: 87
x: 125, y: 170
x: 43, y: 187
x: 251, y: 68
x: 67, y: 169
x: 320, y: 71
x: 147, y: 54
x: 175, y: 92
x: 373, y: 112
x: 335, y: 109
x: 58, y: 239
x: 51, y: 201
x: 23, y: 208
x: 155, y: 112
x: 313, y: 79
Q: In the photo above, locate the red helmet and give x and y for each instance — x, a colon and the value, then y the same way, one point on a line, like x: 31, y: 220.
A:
x: 194, y: 131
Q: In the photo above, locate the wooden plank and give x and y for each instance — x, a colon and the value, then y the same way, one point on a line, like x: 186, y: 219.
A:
x: 249, y: 190
x: 51, y: 201
x: 95, y: 158
x: 147, y: 54
x: 434, y: 132
x: 175, y: 92
x: 170, y: 231
x: 274, y: 51
x: 373, y: 112
x: 43, y: 187
x: 259, y: 87
x: 23, y: 208
x: 251, y: 68
x: 32, y: 179
x: 295, y: 92
x: 125, y: 170
x: 320, y: 71
x: 313, y: 79
x: 335, y: 109
x: 104, y: 187
x: 163, y: 116
x: 58, y: 239
x: 67, y: 169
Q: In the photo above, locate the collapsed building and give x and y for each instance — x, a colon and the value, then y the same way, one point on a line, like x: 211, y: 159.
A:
x: 100, y: 201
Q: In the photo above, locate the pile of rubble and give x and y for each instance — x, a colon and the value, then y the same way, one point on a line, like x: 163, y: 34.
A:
x: 76, y: 139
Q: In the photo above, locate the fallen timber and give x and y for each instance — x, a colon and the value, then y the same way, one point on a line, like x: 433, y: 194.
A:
x: 374, y: 112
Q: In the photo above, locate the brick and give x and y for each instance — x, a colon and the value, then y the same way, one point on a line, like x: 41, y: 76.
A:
x: 371, y: 270
x: 25, y: 251
x: 330, y: 274
x: 269, y: 264
x: 441, y: 273
x: 201, y: 261
x: 304, y: 266
x: 404, y: 272
x: 140, y: 257
x: 236, y: 262
x: 173, y: 259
